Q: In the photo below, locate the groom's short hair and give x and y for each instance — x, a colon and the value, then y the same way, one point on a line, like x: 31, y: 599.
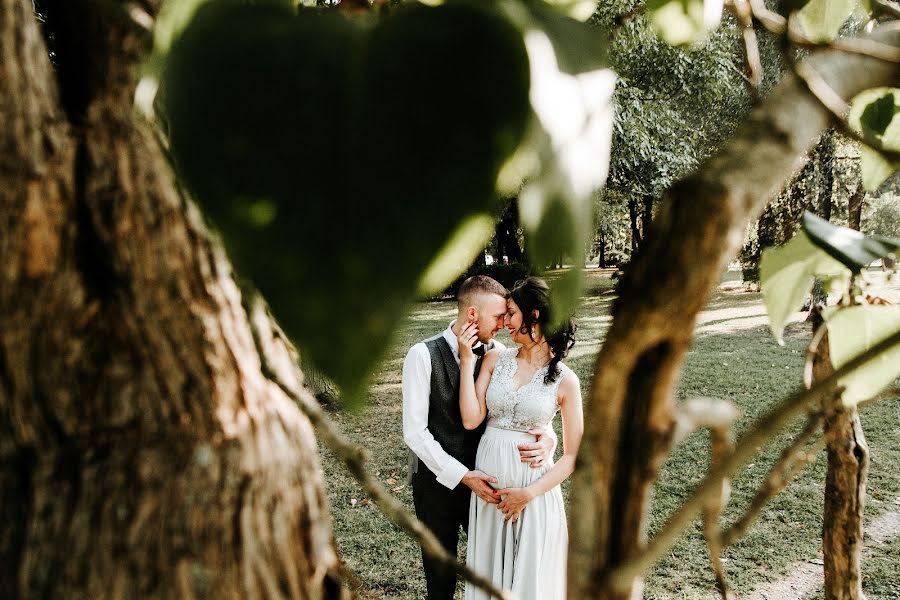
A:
x: 475, y: 285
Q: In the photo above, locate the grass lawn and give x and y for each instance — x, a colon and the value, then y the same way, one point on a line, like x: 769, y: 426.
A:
x: 735, y: 357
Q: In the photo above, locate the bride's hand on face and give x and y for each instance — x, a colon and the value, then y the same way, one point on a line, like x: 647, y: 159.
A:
x: 467, y: 338
x: 514, y: 502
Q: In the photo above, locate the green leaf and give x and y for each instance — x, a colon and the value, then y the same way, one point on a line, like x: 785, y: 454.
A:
x: 821, y: 20
x: 173, y: 17
x: 869, y: 116
x: 457, y: 254
x: 877, y: 115
x: 338, y: 157
x: 853, y: 330
x: 786, y: 275
x: 572, y: 100
x: 681, y: 22
x: 851, y: 248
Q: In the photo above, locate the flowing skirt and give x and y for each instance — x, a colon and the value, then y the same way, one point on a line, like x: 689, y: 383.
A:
x: 528, y: 556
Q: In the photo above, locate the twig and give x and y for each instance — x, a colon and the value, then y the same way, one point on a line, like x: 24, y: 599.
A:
x: 696, y: 413
x: 811, y: 352
x: 888, y: 6
x: 788, y: 465
x: 864, y: 47
x: 777, y: 24
x: 722, y: 447
x: 819, y: 88
x: 836, y: 105
x: 769, y: 19
x: 744, y: 14
x: 619, y: 577
x: 354, y: 458
x: 871, y: 48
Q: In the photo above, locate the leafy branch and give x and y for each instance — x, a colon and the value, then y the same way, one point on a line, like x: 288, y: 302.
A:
x: 761, y: 432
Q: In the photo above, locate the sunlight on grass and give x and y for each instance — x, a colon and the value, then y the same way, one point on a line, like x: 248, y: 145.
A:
x: 733, y: 357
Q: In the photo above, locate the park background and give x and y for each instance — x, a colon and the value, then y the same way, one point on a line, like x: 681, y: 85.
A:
x: 211, y: 209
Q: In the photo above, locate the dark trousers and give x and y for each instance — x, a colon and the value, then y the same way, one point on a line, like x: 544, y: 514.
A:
x: 444, y: 511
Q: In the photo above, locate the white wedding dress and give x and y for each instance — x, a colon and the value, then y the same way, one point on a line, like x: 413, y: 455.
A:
x: 528, y: 556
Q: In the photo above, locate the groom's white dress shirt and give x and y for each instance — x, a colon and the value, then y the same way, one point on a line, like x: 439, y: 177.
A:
x: 416, y: 395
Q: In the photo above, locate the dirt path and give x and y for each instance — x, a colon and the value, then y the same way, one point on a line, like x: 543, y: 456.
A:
x: 807, y: 576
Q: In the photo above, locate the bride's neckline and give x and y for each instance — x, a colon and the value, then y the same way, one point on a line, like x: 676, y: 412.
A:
x: 515, y: 370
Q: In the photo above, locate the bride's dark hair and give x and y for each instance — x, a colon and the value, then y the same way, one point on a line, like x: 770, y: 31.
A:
x: 534, y: 293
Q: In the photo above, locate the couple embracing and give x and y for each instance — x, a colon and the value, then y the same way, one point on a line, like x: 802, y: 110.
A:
x: 477, y: 418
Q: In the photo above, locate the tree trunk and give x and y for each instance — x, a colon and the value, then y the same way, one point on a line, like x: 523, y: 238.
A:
x: 143, y: 452
x: 855, y: 206
x: 845, y: 490
x: 507, y: 240
x: 646, y: 215
x: 818, y: 297
x: 765, y: 238
x: 634, y: 218
x: 826, y: 201
x: 601, y: 258
x: 695, y: 233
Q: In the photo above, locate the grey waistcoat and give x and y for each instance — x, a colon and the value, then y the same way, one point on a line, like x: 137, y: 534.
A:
x: 444, y: 420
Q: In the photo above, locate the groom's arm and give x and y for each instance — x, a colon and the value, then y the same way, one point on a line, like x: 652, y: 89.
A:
x: 416, y: 385
x: 539, y: 453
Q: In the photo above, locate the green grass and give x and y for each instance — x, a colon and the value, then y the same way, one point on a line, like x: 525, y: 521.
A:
x: 734, y: 357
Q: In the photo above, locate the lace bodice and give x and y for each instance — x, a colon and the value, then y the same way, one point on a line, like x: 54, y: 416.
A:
x: 532, y: 405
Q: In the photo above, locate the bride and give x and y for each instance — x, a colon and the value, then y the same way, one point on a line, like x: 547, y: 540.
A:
x: 521, y: 543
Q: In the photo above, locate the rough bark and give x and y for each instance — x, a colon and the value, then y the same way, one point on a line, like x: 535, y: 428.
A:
x: 845, y: 489
x: 826, y: 156
x: 696, y: 231
x: 325, y: 391
x: 855, y: 206
x: 143, y: 453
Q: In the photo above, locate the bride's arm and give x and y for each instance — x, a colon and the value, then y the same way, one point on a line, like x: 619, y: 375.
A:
x: 472, y: 404
x: 569, y: 397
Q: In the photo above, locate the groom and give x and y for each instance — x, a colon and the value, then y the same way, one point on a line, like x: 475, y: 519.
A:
x: 442, y: 451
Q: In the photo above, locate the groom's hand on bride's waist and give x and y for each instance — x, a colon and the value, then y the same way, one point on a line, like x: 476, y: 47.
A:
x: 539, y: 452
x: 480, y: 484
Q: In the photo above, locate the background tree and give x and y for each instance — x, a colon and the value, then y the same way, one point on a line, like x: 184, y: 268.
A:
x: 674, y: 106
x: 612, y: 236
x: 506, y: 233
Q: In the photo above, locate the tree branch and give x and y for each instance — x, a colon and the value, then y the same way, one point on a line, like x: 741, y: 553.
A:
x: 743, y: 12
x: 697, y: 230
x: 888, y: 7
x: 696, y: 413
x: 355, y: 457
x: 760, y: 433
x: 722, y: 445
x: 789, y: 463
x: 777, y: 24
x: 769, y: 19
x: 836, y: 105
